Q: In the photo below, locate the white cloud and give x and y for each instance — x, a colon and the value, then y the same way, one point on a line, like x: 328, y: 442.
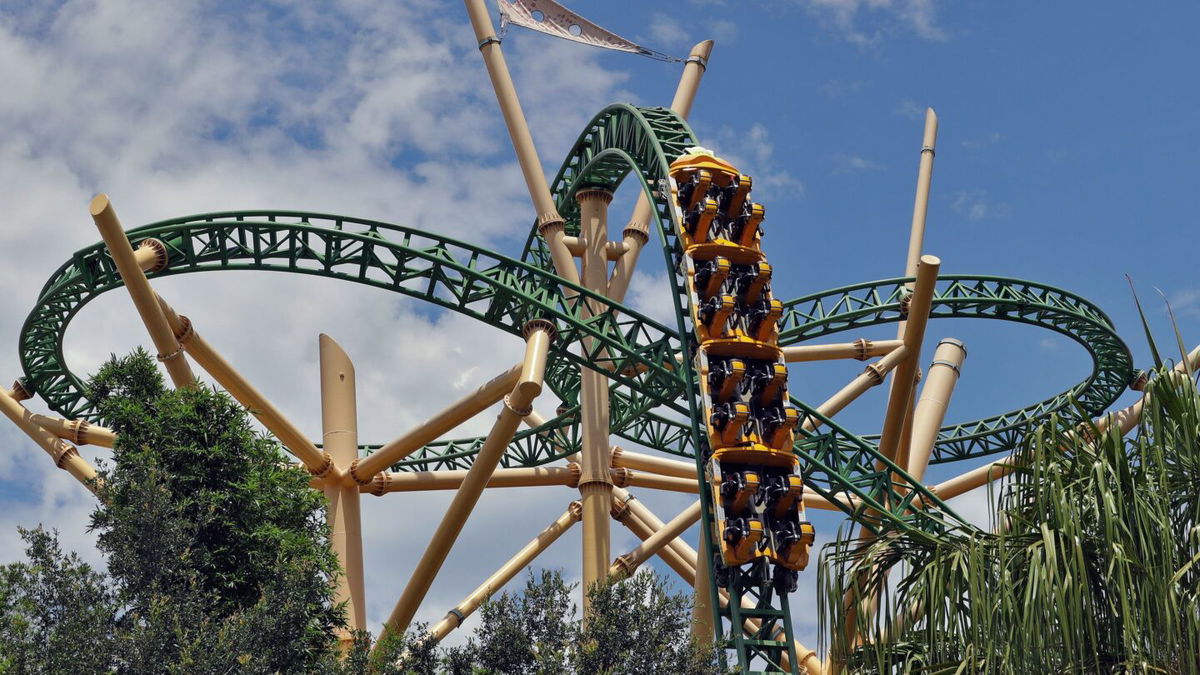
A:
x: 752, y: 152
x: 666, y: 31
x: 844, y: 163
x: 977, y: 205
x: 909, y: 108
x: 865, y: 22
x: 982, y: 142
x: 378, y: 110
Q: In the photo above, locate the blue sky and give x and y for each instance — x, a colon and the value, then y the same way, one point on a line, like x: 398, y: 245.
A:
x: 1067, y: 152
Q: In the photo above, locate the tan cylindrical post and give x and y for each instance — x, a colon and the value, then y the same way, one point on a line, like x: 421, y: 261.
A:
x: 900, y: 396
x: 931, y: 406
x: 595, y: 485
x: 364, y: 469
x: 861, y: 349
x: 339, y: 424
x: 79, y: 432
x: 871, y: 376
x: 660, y: 465
x: 549, y: 222
x: 668, y: 554
x: 538, y: 335
x: 704, y: 629
x: 65, y: 455
x: 419, y: 481
x: 151, y: 256
x: 653, y: 524
x: 169, y: 351
x: 916, y: 237
x: 636, y: 232
x: 656, y: 482
x: 318, y: 463
x: 625, y: 565
x: 548, y: 536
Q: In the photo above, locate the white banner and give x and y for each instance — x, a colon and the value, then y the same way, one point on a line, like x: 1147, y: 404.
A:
x: 551, y: 18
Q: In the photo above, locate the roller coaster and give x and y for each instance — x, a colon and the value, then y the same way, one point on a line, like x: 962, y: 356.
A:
x: 707, y: 397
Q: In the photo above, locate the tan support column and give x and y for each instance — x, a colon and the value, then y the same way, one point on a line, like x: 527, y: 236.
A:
x: 65, y: 455
x: 861, y: 349
x: 871, y: 376
x: 79, y: 432
x: 931, y: 406
x: 339, y: 424
x: 636, y: 232
x: 550, y: 224
x: 625, y: 565
x: 704, y: 629
x: 668, y: 554
x: 906, y: 371
x: 660, y: 465
x: 364, y: 469
x: 318, y: 463
x: 595, y: 485
x: 419, y: 481
x: 506, y: 572
x: 538, y: 335
x: 916, y: 236
x: 151, y: 256
x: 169, y: 351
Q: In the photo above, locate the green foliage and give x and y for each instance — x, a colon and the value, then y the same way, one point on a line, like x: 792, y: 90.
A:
x: 56, y: 612
x: 218, y: 547
x: 1093, y: 564
x: 633, y: 627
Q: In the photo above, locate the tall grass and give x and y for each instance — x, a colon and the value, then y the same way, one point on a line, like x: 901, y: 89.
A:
x: 1092, y: 564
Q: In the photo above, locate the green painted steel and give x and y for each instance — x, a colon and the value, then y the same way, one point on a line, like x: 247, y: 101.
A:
x: 652, y: 398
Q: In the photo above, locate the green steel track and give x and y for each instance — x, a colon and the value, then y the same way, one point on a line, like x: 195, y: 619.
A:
x: 652, y: 399
x: 505, y: 293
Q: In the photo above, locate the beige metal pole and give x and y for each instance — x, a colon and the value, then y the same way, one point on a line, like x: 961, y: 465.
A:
x: 318, y: 463
x: 151, y: 256
x: 550, y: 224
x: 704, y: 629
x: 625, y: 565
x: 916, y: 237
x: 169, y: 351
x: 669, y: 555
x: 65, y: 455
x: 657, y: 482
x: 931, y: 406
x: 420, y: 481
x: 79, y: 432
x: 538, y: 335
x: 595, y: 485
x: 861, y: 349
x: 906, y: 371
x: 871, y: 376
x: 364, y: 469
x: 502, y: 576
x: 660, y: 465
x: 339, y: 424
x: 635, y: 235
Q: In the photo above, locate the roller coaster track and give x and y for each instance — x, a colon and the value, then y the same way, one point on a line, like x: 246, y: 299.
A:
x: 652, y: 396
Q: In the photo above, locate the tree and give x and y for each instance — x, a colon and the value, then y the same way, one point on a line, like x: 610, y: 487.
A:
x: 56, y: 612
x: 1093, y: 564
x: 635, y: 626
x: 216, y: 544
x: 217, y: 549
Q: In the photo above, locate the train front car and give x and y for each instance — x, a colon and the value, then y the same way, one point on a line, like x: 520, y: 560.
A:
x: 753, y: 476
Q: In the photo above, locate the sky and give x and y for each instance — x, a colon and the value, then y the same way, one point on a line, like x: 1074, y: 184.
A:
x: 1067, y: 154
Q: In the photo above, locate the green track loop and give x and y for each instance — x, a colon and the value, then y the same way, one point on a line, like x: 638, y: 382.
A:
x: 652, y: 399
